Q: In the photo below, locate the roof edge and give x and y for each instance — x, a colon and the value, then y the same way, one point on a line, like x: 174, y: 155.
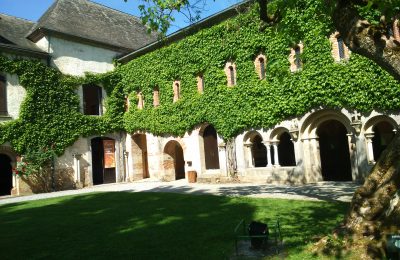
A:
x: 22, y: 50
x: 189, y: 30
x: 40, y: 32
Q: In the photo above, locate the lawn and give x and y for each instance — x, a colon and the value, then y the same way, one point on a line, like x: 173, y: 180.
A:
x: 123, y: 225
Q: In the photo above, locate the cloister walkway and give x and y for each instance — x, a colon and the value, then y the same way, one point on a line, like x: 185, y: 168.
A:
x: 328, y: 191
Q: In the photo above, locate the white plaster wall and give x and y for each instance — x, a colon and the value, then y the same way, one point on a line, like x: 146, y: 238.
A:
x: 83, y: 147
x: 240, y: 154
x: 15, y: 95
x: 75, y: 58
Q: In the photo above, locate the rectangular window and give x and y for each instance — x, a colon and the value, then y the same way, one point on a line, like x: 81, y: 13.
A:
x: 92, y: 97
x: 3, y: 96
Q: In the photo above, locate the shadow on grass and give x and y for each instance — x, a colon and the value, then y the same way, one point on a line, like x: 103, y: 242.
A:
x: 150, y: 225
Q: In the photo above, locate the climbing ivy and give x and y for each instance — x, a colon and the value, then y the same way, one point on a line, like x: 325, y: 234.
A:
x: 356, y: 84
x: 50, y: 117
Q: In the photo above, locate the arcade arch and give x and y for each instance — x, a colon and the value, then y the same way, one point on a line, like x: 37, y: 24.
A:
x: 174, y: 162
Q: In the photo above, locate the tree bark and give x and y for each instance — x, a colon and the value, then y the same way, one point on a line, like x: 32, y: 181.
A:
x: 378, y: 199
x: 231, y: 158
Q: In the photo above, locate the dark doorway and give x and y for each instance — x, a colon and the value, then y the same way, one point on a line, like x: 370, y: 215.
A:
x: 259, y: 152
x: 92, y: 97
x: 5, y: 175
x: 334, y: 151
x: 174, y: 160
x: 211, y: 148
x: 286, y: 150
x: 139, y: 156
x: 383, y: 135
x: 103, y: 160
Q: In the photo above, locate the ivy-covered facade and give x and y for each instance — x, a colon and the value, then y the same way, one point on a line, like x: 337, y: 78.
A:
x: 227, y: 97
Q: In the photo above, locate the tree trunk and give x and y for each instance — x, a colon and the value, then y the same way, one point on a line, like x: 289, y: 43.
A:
x: 231, y: 158
x: 375, y: 205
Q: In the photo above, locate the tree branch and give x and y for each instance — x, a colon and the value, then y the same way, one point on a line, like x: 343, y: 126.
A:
x: 360, y: 36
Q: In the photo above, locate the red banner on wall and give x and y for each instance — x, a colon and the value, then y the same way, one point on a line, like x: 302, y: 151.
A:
x: 109, y: 153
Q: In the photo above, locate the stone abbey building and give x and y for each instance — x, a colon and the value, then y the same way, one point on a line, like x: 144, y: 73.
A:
x: 325, y: 143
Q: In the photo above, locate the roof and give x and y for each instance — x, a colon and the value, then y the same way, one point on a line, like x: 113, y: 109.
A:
x: 189, y: 30
x: 12, y: 35
x: 93, y: 22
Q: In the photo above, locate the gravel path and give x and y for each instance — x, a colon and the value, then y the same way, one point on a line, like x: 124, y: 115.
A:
x: 328, y: 191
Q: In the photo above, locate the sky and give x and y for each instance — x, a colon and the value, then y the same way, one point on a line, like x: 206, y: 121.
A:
x: 33, y: 9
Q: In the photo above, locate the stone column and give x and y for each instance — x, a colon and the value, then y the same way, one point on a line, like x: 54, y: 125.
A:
x: 268, y: 154
x: 276, y: 156
x: 370, y: 149
x: 77, y: 166
x: 353, y: 155
x: 126, y: 160
x: 248, y: 155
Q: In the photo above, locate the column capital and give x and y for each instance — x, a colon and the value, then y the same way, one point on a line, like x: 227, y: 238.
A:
x: 247, y: 144
x: 369, y: 136
x: 77, y: 155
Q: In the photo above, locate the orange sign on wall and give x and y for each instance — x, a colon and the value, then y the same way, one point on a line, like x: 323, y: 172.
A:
x: 109, y: 153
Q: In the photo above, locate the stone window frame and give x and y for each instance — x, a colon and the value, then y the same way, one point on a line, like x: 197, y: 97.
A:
x: 101, y: 97
x: 335, y: 48
x: 140, y: 99
x: 3, y: 88
x: 296, y: 63
x: 200, y: 83
x: 127, y: 103
x: 231, y: 74
x: 261, y: 70
x: 176, y: 86
x: 156, y: 96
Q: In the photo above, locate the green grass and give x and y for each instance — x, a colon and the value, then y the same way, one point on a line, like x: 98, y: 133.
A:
x: 152, y: 225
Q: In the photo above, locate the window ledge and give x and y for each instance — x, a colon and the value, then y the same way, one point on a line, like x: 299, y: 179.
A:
x: 5, y: 118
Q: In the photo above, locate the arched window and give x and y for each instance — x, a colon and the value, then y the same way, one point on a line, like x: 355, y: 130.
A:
x: 156, y: 96
x: 230, y: 71
x: 383, y: 135
x: 295, y: 58
x: 126, y: 103
x: 200, y: 83
x: 3, y: 96
x: 232, y: 75
x: 258, y: 152
x: 340, y: 52
x: 92, y: 100
x: 140, y: 104
x: 262, y: 68
x: 286, y: 150
x: 177, y: 90
x: 340, y: 44
x: 260, y: 65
